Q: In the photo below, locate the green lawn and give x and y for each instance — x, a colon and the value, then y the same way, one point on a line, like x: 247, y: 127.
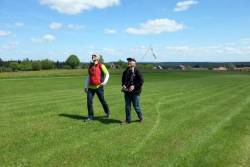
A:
x: 191, y: 119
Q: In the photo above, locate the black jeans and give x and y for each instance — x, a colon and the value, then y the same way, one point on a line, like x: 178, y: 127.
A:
x: 100, y: 94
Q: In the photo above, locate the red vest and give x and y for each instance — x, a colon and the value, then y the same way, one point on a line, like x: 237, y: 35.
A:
x: 95, y: 74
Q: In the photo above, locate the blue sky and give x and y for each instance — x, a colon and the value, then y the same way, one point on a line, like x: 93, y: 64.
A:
x: 178, y: 30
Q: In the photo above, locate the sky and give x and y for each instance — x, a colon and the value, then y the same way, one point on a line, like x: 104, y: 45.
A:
x: 176, y: 30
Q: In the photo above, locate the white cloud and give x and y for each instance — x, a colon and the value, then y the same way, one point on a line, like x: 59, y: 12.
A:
x: 46, y: 38
x: 184, y: 5
x: 57, y: 26
x: 49, y: 38
x: 209, y: 50
x: 110, y: 31
x: 109, y: 51
x: 140, y: 50
x: 178, y: 48
x: 220, y: 52
x: 74, y: 26
x: 9, y: 46
x: 4, y: 33
x: 156, y: 26
x: 19, y: 24
x: 246, y: 41
x: 111, y: 54
x: 77, y: 6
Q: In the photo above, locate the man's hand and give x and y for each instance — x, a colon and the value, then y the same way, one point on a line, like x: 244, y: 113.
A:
x: 123, y: 88
x: 100, y: 85
x: 86, y: 90
x: 131, y: 88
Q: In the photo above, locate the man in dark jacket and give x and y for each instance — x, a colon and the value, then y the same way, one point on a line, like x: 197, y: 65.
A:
x: 132, y: 81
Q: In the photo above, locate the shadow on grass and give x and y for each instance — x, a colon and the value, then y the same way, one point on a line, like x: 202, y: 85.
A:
x: 135, y: 121
x: 101, y: 119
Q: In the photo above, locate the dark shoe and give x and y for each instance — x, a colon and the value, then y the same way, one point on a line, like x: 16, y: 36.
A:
x: 88, y: 120
x: 141, y: 120
x: 107, y: 115
x: 125, y: 122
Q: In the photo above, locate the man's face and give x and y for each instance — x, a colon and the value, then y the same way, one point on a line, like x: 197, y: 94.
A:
x: 131, y: 64
x: 94, y: 59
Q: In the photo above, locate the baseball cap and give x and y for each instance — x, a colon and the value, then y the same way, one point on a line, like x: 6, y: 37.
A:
x: 131, y: 59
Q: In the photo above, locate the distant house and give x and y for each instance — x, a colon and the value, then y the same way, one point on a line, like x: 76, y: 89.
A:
x: 242, y: 69
x: 220, y: 69
x: 183, y: 67
x: 180, y: 67
x: 114, y: 66
x: 158, y: 67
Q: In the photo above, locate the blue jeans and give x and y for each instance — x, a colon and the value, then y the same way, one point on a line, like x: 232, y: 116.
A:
x: 135, y: 100
x: 100, y: 95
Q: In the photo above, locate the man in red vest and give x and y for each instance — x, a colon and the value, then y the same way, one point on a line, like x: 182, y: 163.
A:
x: 97, y: 78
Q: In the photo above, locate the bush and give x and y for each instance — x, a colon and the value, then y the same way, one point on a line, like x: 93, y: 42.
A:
x: 36, y: 65
x: 145, y: 66
x: 14, y: 66
x: 5, y: 69
x: 66, y: 67
x: 85, y: 66
x: 25, y: 65
x: 73, y: 61
x: 108, y: 66
x: 59, y: 65
x: 121, y: 64
x: 1, y: 63
x: 47, y: 64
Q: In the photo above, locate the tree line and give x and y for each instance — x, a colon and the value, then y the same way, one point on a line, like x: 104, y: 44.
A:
x: 71, y: 62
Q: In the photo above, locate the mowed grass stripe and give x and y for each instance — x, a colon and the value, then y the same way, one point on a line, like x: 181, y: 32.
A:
x: 30, y: 97
x: 67, y: 90
x: 45, y: 93
x: 67, y: 100
x: 34, y: 106
x: 65, y: 95
x: 173, y: 110
x: 210, y: 133
x: 202, y: 109
x: 224, y: 144
x: 37, y: 96
x: 38, y: 99
x: 192, y: 112
x: 28, y: 113
x: 191, y: 124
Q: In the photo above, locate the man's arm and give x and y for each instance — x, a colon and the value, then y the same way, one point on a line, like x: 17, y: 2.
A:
x: 123, y: 78
x: 106, y: 73
x: 140, y: 80
x: 86, y: 85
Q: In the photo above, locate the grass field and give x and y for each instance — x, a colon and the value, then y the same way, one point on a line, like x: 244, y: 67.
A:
x: 191, y: 119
